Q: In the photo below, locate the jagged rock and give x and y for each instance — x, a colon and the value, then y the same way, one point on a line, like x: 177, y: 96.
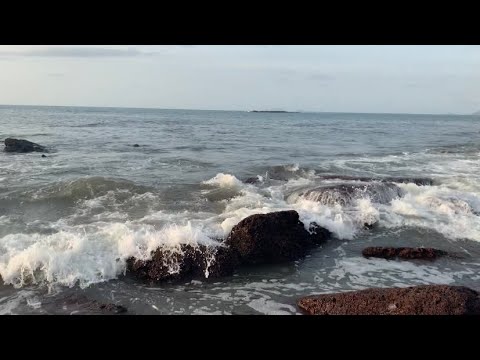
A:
x: 271, y: 238
x: 257, y: 239
x: 170, y: 264
x: 416, y: 300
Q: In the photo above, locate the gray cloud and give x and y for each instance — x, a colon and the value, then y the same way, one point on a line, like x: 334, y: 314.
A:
x: 75, y: 51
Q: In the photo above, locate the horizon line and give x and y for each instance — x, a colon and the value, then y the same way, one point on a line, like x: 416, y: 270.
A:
x: 287, y: 111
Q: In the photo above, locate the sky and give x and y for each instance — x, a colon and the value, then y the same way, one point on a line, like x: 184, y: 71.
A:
x: 373, y: 79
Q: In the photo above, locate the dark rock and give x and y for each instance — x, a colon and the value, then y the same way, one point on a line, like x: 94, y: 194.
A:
x: 345, y: 194
x: 261, y: 238
x: 252, y: 180
x: 136, y: 145
x: 271, y: 238
x: 21, y: 146
x: 403, y: 253
x: 44, y: 156
x: 416, y: 181
x: 318, y: 234
x: 416, y: 300
x: 83, y: 303
x: 404, y: 180
x: 170, y: 264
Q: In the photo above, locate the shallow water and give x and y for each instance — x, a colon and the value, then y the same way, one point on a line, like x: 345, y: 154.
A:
x: 69, y: 221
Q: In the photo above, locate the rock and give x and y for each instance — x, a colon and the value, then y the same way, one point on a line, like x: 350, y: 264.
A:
x: 416, y: 181
x: 170, y: 264
x: 136, y: 145
x: 252, y: 180
x: 318, y: 234
x: 403, y: 253
x: 21, y: 146
x: 346, y: 194
x: 272, y: 238
x: 44, y: 156
x: 404, y: 180
x: 83, y: 303
x: 261, y: 238
x: 416, y: 300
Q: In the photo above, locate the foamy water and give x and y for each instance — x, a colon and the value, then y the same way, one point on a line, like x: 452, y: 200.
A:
x: 69, y: 222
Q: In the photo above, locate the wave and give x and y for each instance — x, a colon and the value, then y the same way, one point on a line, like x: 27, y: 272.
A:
x: 82, y: 251
x: 83, y: 189
x: 85, y: 255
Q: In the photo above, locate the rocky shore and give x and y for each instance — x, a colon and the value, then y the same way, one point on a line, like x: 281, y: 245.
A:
x: 258, y: 239
x: 415, y: 300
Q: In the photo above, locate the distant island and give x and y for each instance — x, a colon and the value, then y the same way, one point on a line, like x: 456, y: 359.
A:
x: 273, y: 111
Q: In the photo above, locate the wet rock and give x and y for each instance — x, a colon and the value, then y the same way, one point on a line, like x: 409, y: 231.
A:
x: 257, y: 239
x: 252, y: 180
x: 403, y: 253
x: 44, y: 156
x: 416, y: 181
x: 416, y: 300
x: 172, y: 264
x: 136, y: 145
x: 83, y: 303
x: 21, y: 146
x: 318, y: 234
x: 272, y: 238
x: 404, y: 180
x: 346, y: 194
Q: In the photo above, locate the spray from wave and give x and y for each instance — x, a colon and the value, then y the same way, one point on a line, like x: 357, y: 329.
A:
x: 96, y: 248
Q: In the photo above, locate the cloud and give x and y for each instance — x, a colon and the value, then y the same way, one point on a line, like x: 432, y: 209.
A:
x: 73, y: 51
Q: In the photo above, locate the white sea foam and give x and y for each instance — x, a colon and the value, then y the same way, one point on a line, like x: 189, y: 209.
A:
x: 85, y: 255
x: 96, y: 251
x: 225, y: 181
x: 270, y: 307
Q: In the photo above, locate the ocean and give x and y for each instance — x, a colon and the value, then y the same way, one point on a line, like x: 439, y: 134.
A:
x: 69, y: 221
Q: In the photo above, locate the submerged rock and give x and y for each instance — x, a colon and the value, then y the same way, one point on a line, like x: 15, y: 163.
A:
x: 21, y: 146
x: 252, y: 180
x: 44, y: 156
x: 83, y: 303
x: 257, y: 239
x: 346, y: 194
x: 416, y: 181
x: 273, y: 237
x: 403, y: 253
x: 416, y: 300
x: 136, y: 145
x: 404, y: 180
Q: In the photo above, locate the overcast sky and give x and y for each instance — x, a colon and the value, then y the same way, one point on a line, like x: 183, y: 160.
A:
x: 396, y: 79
